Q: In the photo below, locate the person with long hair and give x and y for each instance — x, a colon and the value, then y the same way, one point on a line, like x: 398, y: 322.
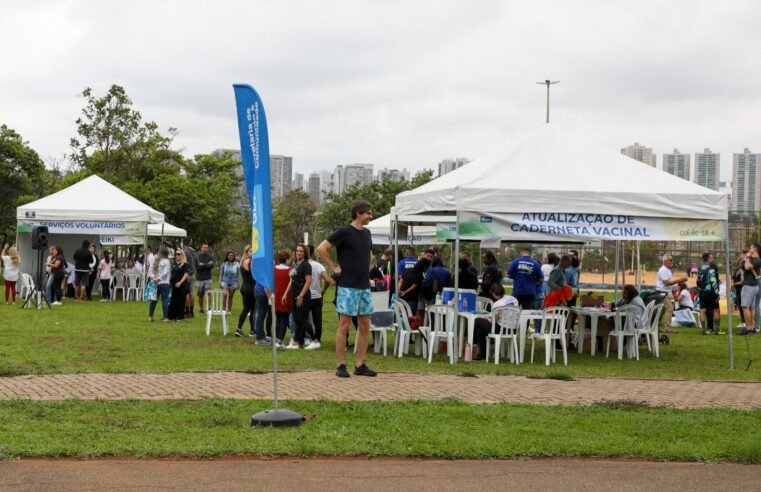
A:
x: 300, y: 281
x: 179, y: 281
x: 160, y: 272
x: 11, y: 265
x: 58, y: 271
x: 105, y: 269
x: 246, y: 292
x: 228, y: 280
x: 282, y: 309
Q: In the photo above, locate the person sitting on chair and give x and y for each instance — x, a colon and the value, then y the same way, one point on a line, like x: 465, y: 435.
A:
x: 482, y: 327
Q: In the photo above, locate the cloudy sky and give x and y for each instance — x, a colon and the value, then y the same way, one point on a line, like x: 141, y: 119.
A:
x: 395, y: 83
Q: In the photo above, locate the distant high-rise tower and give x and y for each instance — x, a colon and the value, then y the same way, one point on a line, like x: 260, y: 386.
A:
x: 313, y: 187
x: 281, y: 170
x: 298, y: 181
x: 641, y: 153
x: 351, y: 174
x: 707, y: 168
x: 394, y: 174
x: 746, y: 189
x: 449, y: 165
x: 677, y: 164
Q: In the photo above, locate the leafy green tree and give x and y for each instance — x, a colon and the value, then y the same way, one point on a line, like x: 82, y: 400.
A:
x: 292, y: 216
x: 336, y: 209
x: 22, y: 178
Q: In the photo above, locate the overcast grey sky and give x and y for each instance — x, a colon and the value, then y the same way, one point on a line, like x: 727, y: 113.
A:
x: 395, y: 83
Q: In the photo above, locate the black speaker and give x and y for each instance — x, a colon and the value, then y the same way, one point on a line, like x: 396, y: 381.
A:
x: 39, y: 237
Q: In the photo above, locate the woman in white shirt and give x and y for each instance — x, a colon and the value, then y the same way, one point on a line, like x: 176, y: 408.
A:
x: 682, y: 297
x: 105, y: 269
x: 159, y: 272
x: 11, y: 265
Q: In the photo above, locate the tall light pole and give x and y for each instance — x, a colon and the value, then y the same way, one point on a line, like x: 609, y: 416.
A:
x: 548, y: 83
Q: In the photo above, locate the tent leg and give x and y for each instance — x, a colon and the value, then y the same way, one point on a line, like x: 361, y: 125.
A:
x: 615, y: 282
x: 730, y: 341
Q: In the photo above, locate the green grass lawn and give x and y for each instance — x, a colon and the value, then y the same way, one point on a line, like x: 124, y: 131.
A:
x: 116, y: 337
x: 446, y: 429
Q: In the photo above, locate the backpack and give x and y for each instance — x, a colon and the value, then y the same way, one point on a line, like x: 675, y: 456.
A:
x: 700, y: 281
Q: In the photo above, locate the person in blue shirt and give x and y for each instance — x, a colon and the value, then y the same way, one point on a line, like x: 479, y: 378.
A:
x: 526, y: 272
x: 709, y: 294
x: 408, y: 262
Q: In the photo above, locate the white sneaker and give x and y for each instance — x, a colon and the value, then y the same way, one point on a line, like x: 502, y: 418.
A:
x: 313, y: 346
x: 279, y: 345
x: 292, y: 346
x: 56, y: 303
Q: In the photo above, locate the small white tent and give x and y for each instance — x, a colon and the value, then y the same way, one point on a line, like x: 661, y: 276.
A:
x: 380, y: 229
x: 88, y: 210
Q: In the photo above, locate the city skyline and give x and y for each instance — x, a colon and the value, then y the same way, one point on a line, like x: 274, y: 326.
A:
x: 400, y: 85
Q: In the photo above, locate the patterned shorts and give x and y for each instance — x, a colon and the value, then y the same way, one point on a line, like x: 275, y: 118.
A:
x: 354, y: 302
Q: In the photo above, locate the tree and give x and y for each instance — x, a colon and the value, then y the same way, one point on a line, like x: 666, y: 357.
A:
x: 292, y: 216
x: 22, y: 178
x: 114, y: 142
x: 336, y: 209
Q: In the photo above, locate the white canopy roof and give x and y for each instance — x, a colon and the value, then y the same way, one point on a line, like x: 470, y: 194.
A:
x: 154, y: 230
x: 380, y: 229
x: 92, y: 199
x: 553, y: 170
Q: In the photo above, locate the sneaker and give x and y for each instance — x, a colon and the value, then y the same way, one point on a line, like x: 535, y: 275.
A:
x: 292, y: 346
x: 202, y: 312
x: 741, y: 325
x: 279, y: 344
x: 56, y: 303
x: 363, y: 370
x: 263, y: 342
x: 238, y: 333
x: 313, y: 345
x: 341, y: 371
x: 252, y: 334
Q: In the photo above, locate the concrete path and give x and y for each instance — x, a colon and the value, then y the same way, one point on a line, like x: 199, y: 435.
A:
x: 378, y: 475
x: 393, y: 386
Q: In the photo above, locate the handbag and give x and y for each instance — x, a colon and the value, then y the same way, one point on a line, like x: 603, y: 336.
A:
x: 151, y: 293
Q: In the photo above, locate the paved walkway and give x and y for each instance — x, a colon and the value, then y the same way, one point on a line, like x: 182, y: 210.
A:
x: 393, y: 386
x: 391, y: 475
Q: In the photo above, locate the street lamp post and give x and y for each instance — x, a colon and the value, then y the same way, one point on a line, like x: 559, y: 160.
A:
x: 548, y: 83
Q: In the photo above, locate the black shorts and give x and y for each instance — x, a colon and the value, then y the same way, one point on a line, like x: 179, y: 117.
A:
x: 81, y: 279
x: 708, y: 300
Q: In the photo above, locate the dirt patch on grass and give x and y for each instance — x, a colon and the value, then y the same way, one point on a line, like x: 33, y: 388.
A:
x: 53, y: 339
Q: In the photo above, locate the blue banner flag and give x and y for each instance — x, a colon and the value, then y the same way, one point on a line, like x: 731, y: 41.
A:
x: 255, y: 155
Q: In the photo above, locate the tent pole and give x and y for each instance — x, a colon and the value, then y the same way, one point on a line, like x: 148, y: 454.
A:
x: 395, y: 244
x: 730, y: 341
x: 615, y: 282
x: 145, y: 258
x: 639, y: 269
x: 456, y: 320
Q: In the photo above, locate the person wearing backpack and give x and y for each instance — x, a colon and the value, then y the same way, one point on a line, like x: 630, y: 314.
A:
x: 708, y: 291
x: 749, y: 300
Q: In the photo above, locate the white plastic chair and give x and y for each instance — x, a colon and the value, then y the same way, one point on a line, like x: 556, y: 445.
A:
x: 554, y: 320
x: 504, y: 326
x: 117, y: 283
x: 649, y: 327
x: 440, y: 325
x: 625, y: 326
x: 381, y: 321
x: 215, y: 306
x: 483, y: 303
x: 404, y: 333
x: 133, y: 287
x: 26, y: 286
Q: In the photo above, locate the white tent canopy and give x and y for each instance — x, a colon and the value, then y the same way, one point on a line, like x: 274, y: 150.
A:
x: 552, y: 170
x: 91, y: 209
x: 155, y: 230
x: 380, y: 229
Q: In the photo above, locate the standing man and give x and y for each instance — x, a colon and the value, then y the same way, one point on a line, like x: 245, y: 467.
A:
x: 708, y: 292
x: 93, y: 276
x: 354, y: 247
x: 82, y: 260
x: 204, y: 264
x: 664, y: 283
x: 408, y: 262
x: 190, y: 259
x: 526, y: 272
x: 752, y: 267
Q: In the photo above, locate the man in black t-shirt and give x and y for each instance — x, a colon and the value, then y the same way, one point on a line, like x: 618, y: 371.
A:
x: 82, y: 259
x: 354, y: 247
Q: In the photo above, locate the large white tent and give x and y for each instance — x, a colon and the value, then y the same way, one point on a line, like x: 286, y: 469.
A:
x: 91, y: 209
x: 381, y: 231
x: 554, y: 185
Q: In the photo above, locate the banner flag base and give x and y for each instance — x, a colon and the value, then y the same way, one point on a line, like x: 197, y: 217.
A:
x: 276, y: 418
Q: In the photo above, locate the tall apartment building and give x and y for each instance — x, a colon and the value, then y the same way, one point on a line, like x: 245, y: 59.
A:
x: 298, y: 181
x: 677, y: 164
x: 327, y: 184
x: 281, y: 171
x: 746, y: 186
x: 313, y: 187
x: 707, y: 167
x: 351, y: 174
x: 394, y: 174
x: 641, y: 153
x: 449, y: 165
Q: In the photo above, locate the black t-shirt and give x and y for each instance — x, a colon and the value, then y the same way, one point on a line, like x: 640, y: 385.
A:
x: 298, y: 276
x: 749, y: 277
x: 177, y: 273
x: 468, y: 280
x: 82, y: 259
x: 353, y: 247
x: 203, y: 271
x: 410, y: 278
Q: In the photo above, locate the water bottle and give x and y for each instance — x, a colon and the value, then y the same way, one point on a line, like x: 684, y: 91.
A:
x: 438, y: 298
